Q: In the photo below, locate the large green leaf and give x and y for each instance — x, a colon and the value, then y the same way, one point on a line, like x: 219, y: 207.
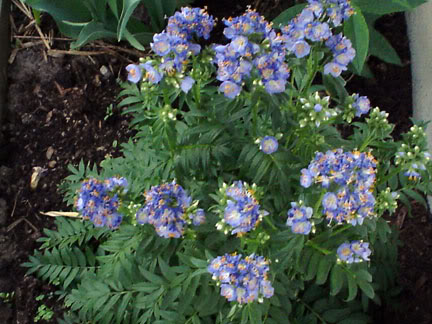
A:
x: 381, y: 48
x: 386, y: 7
x: 127, y: 10
x: 356, y: 29
x: 70, y: 10
x: 156, y: 13
x: 91, y: 31
x: 286, y: 15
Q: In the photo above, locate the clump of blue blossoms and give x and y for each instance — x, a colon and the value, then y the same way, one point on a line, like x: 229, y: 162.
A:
x: 354, y: 252
x: 175, y: 46
x: 243, y: 280
x: 349, y: 178
x: 241, y: 210
x: 249, y: 36
x: 299, y: 218
x: 98, y: 201
x: 169, y: 209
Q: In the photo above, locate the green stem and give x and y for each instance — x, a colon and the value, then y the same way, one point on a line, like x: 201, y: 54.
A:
x: 369, y: 139
x: 255, y: 118
x: 313, y: 311
x: 312, y: 244
x: 340, y: 230
x: 266, y: 219
x: 389, y: 176
x: 318, y: 203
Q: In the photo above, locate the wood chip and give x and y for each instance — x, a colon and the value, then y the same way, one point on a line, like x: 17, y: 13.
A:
x: 59, y: 213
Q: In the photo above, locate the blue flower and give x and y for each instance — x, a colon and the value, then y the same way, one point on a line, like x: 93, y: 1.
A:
x: 269, y: 144
x: 186, y: 84
x: 361, y: 104
x: 301, y: 48
x: 134, y: 73
x: 230, y: 89
x: 161, y: 44
x: 151, y: 74
x: 198, y: 218
x: 345, y: 253
x: 243, y: 280
x: 306, y: 178
x: 334, y: 69
x: 354, y: 252
x: 275, y: 86
x: 298, y: 218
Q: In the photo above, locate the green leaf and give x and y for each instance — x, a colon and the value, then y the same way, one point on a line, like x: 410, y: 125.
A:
x: 335, y: 86
x: 364, y: 275
x: 285, y: 17
x: 352, y: 287
x: 133, y: 40
x: 127, y: 10
x: 324, y: 267
x: 356, y: 29
x: 380, y: 47
x: 156, y: 13
x: 335, y: 315
x: 92, y: 31
x: 71, y: 10
x: 386, y: 7
x: 366, y: 288
x: 415, y: 195
x: 337, y: 279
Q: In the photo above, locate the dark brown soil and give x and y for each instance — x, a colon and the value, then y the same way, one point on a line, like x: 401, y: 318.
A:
x: 58, y: 115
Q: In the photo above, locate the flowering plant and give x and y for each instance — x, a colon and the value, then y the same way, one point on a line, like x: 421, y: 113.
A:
x: 256, y: 185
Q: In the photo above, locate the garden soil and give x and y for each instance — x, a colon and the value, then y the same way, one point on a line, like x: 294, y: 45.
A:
x: 60, y: 114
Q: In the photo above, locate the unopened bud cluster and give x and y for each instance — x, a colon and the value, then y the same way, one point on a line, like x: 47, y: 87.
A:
x: 315, y: 111
x: 378, y: 121
x: 386, y: 201
x: 413, y: 157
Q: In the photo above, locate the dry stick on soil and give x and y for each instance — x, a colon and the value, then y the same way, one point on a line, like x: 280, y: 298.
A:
x: 29, y: 15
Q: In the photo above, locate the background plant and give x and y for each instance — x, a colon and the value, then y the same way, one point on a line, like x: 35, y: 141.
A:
x: 259, y: 138
x: 89, y: 20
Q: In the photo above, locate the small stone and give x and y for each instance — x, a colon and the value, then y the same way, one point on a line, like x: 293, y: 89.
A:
x: 49, y: 153
x: 52, y: 164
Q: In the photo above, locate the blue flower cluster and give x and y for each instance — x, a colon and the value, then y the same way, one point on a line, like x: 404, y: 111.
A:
x: 176, y: 39
x: 235, y: 60
x: 352, y: 176
x: 354, y: 252
x: 314, y: 24
x: 337, y: 10
x: 175, y: 46
x: 98, y: 201
x: 242, y: 279
x: 166, y: 208
x: 242, y: 212
x: 298, y: 218
x: 343, y: 54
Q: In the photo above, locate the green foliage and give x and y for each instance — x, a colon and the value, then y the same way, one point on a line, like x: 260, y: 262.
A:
x: 206, y: 141
x: 89, y: 20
